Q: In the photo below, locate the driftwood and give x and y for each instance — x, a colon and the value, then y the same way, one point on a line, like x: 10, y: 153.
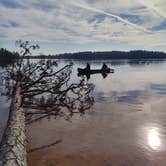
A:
x: 44, y: 89
x: 13, y: 145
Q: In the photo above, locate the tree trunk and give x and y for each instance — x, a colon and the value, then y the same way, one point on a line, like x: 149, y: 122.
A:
x: 13, y: 145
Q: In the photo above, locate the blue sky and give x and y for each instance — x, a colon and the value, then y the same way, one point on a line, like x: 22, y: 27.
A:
x: 84, y: 25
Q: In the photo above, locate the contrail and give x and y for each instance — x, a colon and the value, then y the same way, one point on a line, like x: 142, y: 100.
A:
x: 111, y: 15
x: 152, y: 6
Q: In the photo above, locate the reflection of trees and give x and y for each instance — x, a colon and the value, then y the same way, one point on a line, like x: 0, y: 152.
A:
x: 120, y: 62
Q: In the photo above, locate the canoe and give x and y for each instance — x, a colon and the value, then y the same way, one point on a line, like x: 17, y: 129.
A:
x: 93, y: 71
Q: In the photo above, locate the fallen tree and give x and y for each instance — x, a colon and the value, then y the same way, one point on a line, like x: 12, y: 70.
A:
x: 38, y: 89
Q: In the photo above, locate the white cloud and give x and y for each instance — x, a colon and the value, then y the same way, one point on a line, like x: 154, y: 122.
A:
x: 85, y: 21
x: 159, y: 6
x: 85, y: 6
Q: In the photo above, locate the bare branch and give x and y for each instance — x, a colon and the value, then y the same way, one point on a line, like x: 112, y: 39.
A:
x: 46, y: 90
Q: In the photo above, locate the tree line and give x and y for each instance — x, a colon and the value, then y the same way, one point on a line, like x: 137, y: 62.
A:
x: 7, y: 57
x: 137, y: 54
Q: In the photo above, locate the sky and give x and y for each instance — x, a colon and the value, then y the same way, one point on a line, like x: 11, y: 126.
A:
x: 60, y: 26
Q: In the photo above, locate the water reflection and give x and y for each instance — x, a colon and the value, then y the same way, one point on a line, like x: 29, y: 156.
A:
x: 104, y: 71
x: 123, y: 62
x: 88, y: 75
x: 47, y: 91
x: 76, y: 99
x: 153, y: 138
x: 4, y: 105
x: 116, y: 132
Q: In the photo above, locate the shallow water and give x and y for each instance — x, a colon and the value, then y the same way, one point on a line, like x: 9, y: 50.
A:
x: 125, y: 127
x: 4, y: 107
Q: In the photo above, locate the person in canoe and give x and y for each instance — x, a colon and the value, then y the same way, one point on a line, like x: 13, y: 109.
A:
x: 88, y: 67
x: 104, y: 67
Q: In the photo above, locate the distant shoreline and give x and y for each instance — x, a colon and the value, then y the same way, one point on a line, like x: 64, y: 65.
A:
x: 111, y: 55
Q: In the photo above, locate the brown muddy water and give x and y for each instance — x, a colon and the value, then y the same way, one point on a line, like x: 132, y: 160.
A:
x: 125, y: 127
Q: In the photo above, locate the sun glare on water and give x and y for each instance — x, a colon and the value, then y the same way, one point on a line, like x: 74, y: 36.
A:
x: 153, y: 138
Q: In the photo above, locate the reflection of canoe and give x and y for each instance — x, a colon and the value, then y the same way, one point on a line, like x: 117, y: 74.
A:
x: 87, y: 71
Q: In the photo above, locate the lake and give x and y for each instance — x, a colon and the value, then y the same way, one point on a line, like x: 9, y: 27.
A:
x: 126, y: 126
x: 4, y: 106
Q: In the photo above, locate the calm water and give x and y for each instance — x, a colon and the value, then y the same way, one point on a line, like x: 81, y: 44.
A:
x: 4, y: 107
x: 125, y: 127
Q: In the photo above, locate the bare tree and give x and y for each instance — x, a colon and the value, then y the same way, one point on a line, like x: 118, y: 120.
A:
x: 37, y: 90
x: 45, y: 88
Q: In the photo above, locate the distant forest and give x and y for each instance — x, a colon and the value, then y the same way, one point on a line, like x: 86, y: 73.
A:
x: 113, y: 55
x: 7, y: 57
x: 138, y: 54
